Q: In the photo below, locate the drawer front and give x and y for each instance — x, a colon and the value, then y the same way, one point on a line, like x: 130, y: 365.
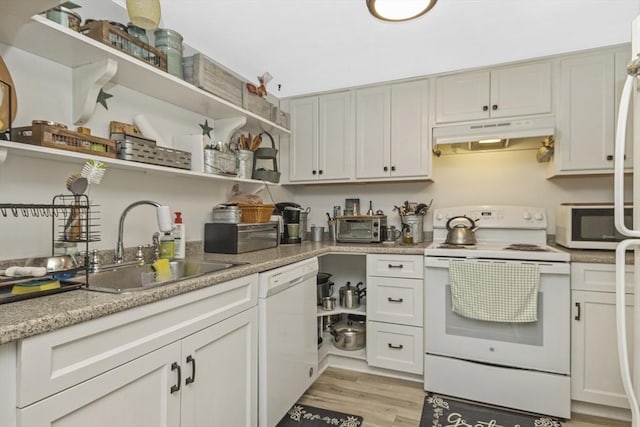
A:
x: 54, y: 361
x: 598, y: 277
x: 395, y: 300
x: 395, y: 347
x: 406, y: 266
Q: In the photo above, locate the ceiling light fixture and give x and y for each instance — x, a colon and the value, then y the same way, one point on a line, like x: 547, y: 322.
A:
x: 144, y: 13
x: 399, y: 10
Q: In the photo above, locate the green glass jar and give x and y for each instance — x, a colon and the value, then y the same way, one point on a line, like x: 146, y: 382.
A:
x: 140, y: 34
x: 170, y: 42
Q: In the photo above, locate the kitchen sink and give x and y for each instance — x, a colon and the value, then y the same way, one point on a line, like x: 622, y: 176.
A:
x: 131, y: 278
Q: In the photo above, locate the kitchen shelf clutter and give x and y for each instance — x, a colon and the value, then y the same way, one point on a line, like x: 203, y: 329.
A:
x: 64, y: 46
x: 33, y: 151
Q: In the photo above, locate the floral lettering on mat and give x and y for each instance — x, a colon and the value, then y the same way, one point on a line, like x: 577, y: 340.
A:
x: 455, y: 419
x: 299, y: 413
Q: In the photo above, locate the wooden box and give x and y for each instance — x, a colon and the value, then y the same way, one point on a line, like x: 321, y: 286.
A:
x: 256, y: 104
x: 281, y: 118
x: 64, y: 139
x: 202, y: 72
x: 110, y: 35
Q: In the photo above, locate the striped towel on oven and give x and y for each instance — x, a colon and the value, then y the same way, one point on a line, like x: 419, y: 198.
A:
x: 495, y: 291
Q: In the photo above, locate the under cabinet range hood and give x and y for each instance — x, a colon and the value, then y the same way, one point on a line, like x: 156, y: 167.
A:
x: 498, y: 129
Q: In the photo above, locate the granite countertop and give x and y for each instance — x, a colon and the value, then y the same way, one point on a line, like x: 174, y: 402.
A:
x: 22, y: 319
x: 34, y: 316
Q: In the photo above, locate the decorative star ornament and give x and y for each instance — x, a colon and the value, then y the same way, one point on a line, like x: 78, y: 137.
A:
x: 206, y: 129
x: 102, y: 98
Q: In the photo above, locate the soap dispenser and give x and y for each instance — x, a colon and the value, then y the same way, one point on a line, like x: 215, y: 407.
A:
x: 180, y: 237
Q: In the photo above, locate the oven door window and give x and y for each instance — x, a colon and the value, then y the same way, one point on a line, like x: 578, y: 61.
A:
x: 356, y: 228
x: 516, y: 333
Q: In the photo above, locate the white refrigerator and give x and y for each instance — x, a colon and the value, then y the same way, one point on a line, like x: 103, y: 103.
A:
x: 630, y: 97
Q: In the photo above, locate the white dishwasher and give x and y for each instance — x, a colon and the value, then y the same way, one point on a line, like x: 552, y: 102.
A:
x: 287, y: 346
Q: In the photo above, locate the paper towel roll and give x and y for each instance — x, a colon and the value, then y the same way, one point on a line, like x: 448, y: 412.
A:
x: 164, y: 218
x: 149, y: 131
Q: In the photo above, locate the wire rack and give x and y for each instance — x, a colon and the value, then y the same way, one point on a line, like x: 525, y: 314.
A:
x: 74, y: 223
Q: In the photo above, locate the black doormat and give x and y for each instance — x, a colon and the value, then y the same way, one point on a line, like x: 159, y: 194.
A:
x: 310, y: 416
x: 441, y: 411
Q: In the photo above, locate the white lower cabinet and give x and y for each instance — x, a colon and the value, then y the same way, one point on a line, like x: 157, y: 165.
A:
x: 202, y: 370
x: 595, y: 373
x: 395, y: 320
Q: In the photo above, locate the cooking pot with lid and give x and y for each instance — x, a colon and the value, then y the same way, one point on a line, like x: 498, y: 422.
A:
x: 349, y: 335
x: 324, y: 286
x: 461, y: 234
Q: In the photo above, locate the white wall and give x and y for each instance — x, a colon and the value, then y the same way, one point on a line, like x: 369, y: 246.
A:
x: 44, y: 92
x: 508, y: 177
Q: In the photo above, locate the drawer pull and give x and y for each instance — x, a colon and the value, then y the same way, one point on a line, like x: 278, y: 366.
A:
x: 396, y: 266
x: 176, y: 387
x: 395, y: 300
x: 395, y: 347
x: 192, y: 378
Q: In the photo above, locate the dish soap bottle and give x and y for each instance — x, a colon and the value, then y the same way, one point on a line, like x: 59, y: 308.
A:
x: 167, y: 246
x: 180, y: 237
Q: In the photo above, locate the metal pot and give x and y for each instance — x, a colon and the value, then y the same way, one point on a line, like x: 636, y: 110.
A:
x: 350, y: 295
x: 324, y: 290
x: 349, y: 335
x: 461, y: 234
x: 328, y: 303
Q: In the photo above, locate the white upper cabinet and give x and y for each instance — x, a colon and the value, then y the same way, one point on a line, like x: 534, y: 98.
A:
x: 504, y: 92
x: 392, y: 132
x: 322, y: 138
x: 590, y: 88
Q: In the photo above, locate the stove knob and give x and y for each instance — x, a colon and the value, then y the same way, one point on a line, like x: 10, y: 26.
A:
x: 539, y: 216
x: 526, y: 216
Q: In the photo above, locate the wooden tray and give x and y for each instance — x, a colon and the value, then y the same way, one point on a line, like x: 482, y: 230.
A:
x: 64, y: 139
x: 123, y: 41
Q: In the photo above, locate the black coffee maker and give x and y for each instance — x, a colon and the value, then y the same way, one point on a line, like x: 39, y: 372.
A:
x: 290, y: 225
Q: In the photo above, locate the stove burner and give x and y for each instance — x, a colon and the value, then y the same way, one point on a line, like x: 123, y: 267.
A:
x: 452, y: 246
x: 526, y: 247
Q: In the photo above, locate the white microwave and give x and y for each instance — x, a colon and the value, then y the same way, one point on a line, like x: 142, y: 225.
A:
x: 589, y: 225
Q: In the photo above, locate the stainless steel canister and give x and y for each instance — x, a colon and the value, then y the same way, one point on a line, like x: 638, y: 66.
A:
x: 245, y: 163
x: 303, y: 224
x: 226, y: 214
x: 416, y: 222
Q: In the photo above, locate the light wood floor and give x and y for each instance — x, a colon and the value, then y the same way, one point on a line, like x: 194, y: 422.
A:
x: 388, y: 402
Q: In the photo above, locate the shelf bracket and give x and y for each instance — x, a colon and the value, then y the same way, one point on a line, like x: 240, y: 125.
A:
x: 87, y: 82
x: 224, y: 128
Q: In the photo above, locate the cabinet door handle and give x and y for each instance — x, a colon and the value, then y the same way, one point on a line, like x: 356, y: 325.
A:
x: 485, y: 108
x: 395, y: 347
x: 396, y: 266
x: 494, y: 107
x: 395, y: 299
x: 393, y: 168
x: 320, y: 172
x: 610, y: 157
x: 313, y: 172
x: 176, y: 387
x: 577, y: 317
x: 385, y: 169
x: 192, y: 378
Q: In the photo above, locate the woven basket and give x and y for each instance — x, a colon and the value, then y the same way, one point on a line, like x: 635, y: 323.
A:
x: 255, y: 213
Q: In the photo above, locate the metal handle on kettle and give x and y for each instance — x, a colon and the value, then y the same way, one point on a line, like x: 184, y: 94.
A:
x: 472, y: 222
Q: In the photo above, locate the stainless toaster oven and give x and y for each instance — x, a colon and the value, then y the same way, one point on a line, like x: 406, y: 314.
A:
x: 361, y: 228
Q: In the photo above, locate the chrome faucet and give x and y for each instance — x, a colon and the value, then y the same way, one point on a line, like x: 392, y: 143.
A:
x: 164, y: 223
